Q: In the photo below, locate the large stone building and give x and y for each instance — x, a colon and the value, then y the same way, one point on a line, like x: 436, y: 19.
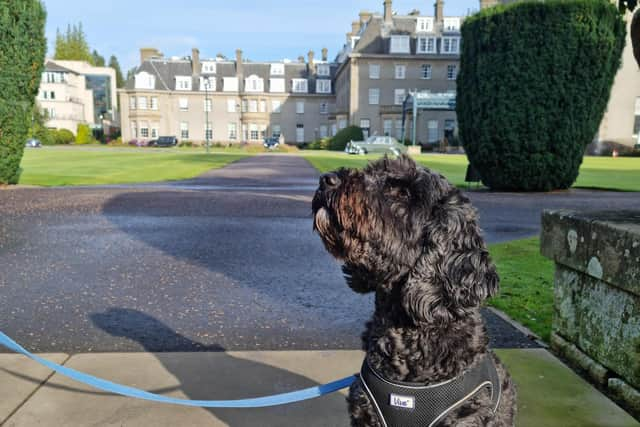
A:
x: 75, y: 92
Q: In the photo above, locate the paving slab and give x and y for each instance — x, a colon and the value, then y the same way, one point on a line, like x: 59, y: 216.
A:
x: 20, y: 378
x: 550, y: 394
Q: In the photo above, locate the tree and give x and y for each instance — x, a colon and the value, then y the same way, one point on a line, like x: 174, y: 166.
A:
x: 113, y: 63
x: 73, y: 45
x: 98, y: 60
x: 22, y: 49
x: 131, y: 73
x: 534, y: 82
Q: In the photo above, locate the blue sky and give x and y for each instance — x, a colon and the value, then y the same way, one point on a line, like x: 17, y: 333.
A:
x: 263, y: 29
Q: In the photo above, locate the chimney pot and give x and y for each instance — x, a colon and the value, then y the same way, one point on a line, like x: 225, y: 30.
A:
x: 355, y: 27
x: 325, y: 54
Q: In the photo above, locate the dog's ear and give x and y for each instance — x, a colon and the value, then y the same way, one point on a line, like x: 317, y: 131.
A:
x: 454, y: 272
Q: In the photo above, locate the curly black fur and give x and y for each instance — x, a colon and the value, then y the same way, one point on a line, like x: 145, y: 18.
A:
x: 405, y: 233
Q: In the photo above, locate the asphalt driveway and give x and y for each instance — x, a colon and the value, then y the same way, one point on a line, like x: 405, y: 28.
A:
x: 226, y: 261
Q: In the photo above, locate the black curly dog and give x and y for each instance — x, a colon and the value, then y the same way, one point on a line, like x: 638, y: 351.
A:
x: 405, y: 233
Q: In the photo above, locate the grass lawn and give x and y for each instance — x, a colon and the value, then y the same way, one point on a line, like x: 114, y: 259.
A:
x: 526, y: 284
x: 622, y: 173
x: 96, y: 165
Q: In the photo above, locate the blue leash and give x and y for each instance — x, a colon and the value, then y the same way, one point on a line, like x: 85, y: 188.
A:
x: 108, y: 386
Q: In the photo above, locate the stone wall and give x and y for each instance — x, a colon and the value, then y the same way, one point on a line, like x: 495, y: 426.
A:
x: 596, y: 323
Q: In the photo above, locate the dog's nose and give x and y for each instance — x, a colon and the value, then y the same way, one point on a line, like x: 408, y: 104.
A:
x: 329, y: 180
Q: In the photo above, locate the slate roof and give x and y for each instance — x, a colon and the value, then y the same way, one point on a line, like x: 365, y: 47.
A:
x: 52, y: 66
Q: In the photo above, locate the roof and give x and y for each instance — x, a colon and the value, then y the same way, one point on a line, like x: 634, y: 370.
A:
x: 52, y: 66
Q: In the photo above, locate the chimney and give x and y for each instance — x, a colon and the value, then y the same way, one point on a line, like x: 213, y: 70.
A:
x: 312, y: 65
x: 364, y: 17
x: 239, y: 67
x: 195, y: 62
x: 325, y: 54
x: 439, y: 11
x: 388, y: 13
x: 148, y: 53
x: 355, y: 27
x: 301, y: 59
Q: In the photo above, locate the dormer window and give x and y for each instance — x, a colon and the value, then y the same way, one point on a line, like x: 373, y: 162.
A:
x: 426, y: 45
x: 208, y: 67
x: 183, y: 82
x: 208, y: 84
x: 399, y: 44
x: 323, y: 70
x: 323, y: 86
x: 451, y: 24
x: 253, y: 83
x: 277, y: 69
x: 354, y: 41
x: 424, y: 25
x: 230, y: 84
x: 451, y: 45
x: 299, y: 86
x: 144, y: 80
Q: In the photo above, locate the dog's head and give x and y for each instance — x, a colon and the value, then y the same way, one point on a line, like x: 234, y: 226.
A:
x: 402, y: 229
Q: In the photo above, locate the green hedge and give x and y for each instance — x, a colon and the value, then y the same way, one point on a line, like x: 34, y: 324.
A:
x: 340, y: 140
x: 22, y: 49
x: 84, y: 135
x: 533, y: 86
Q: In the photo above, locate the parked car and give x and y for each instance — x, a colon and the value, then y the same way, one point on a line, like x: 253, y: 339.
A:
x: 166, y: 141
x: 271, y: 142
x: 152, y: 143
x: 376, y: 144
x: 33, y: 143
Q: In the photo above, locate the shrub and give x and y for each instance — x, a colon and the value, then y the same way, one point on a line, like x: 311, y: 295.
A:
x: 534, y: 82
x: 84, y: 135
x: 340, y: 140
x: 22, y: 49
x: 62, y: 136
x: 185, y: 143
x: 320, y: 144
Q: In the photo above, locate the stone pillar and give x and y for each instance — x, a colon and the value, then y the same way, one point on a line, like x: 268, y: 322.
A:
x: 596, y: 323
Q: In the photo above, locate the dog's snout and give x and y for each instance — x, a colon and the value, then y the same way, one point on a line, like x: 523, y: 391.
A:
x: 329, y: 180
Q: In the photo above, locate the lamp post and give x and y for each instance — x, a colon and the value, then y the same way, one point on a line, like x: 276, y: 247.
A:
x: 206, y: 83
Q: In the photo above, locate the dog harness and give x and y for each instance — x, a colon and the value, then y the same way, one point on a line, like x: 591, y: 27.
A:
x: 401, y: 404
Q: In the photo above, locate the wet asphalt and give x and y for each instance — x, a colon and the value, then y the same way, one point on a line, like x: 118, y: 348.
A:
x: 225, y: 261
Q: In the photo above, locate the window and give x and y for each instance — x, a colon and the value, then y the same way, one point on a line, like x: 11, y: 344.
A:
x: 208, y: 67
x: 52, y: 113
x: 424, y: 25
x: 449, y: 125
x: 183, y: 103
x: 334, y: 129
x: 132, y: 103
x: 324, y: 108
x: 399, y: 96
x: 276, y: 85
x: 230, y: 84
x: 323, y: 131
x: 452, y: 72
x: 451, y: 24
x: 299, y: 133
x: 399, y: 128
x: 245, y: 133
x: 323, y: 70
x: 253, y: 105
x: 245, y: 105
x: 184, y: 130
x: 300, y: 107
x: 275, y: 131
x: 451, y: 45
x: 231, y: 105
x: 426, y: 45
x: 387, y: 126
x: 425, y: 71
x: 207, y: 105
x: 207, y: 84
x: 154, y: 103
x: 154, y: 130
x: 432, y: 134
x: 374, y: 71
x: 253, y: 83
x: 323, y: 86
x: 253, y: 132
x: 232, y: 131
x: 276, y: 106
x: 53, y: 95
x: 365, y: 124
x: 277, y: 69
x: 142, y: 102
x: 342, y: 123
x: 144, y: 129
x: 134, y: 129
x: 183, y: 82
x: 401, y: 71
x: 374, y: 96
x: 263, y: 131
x: 145, y: 80
x: 399, y: 44
x: 299, y: 85
x: 208, y: 132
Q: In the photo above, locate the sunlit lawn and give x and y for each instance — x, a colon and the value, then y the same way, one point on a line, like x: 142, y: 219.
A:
x: 53, y: 166
x: 622, y: 173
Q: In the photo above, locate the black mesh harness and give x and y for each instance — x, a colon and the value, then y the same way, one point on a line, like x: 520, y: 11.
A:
x: 414, y: 405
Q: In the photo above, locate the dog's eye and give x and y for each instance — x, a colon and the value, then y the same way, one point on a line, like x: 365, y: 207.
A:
x: 396, y: 188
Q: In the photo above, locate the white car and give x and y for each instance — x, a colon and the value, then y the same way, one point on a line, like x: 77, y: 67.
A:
x: 33, y: 143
